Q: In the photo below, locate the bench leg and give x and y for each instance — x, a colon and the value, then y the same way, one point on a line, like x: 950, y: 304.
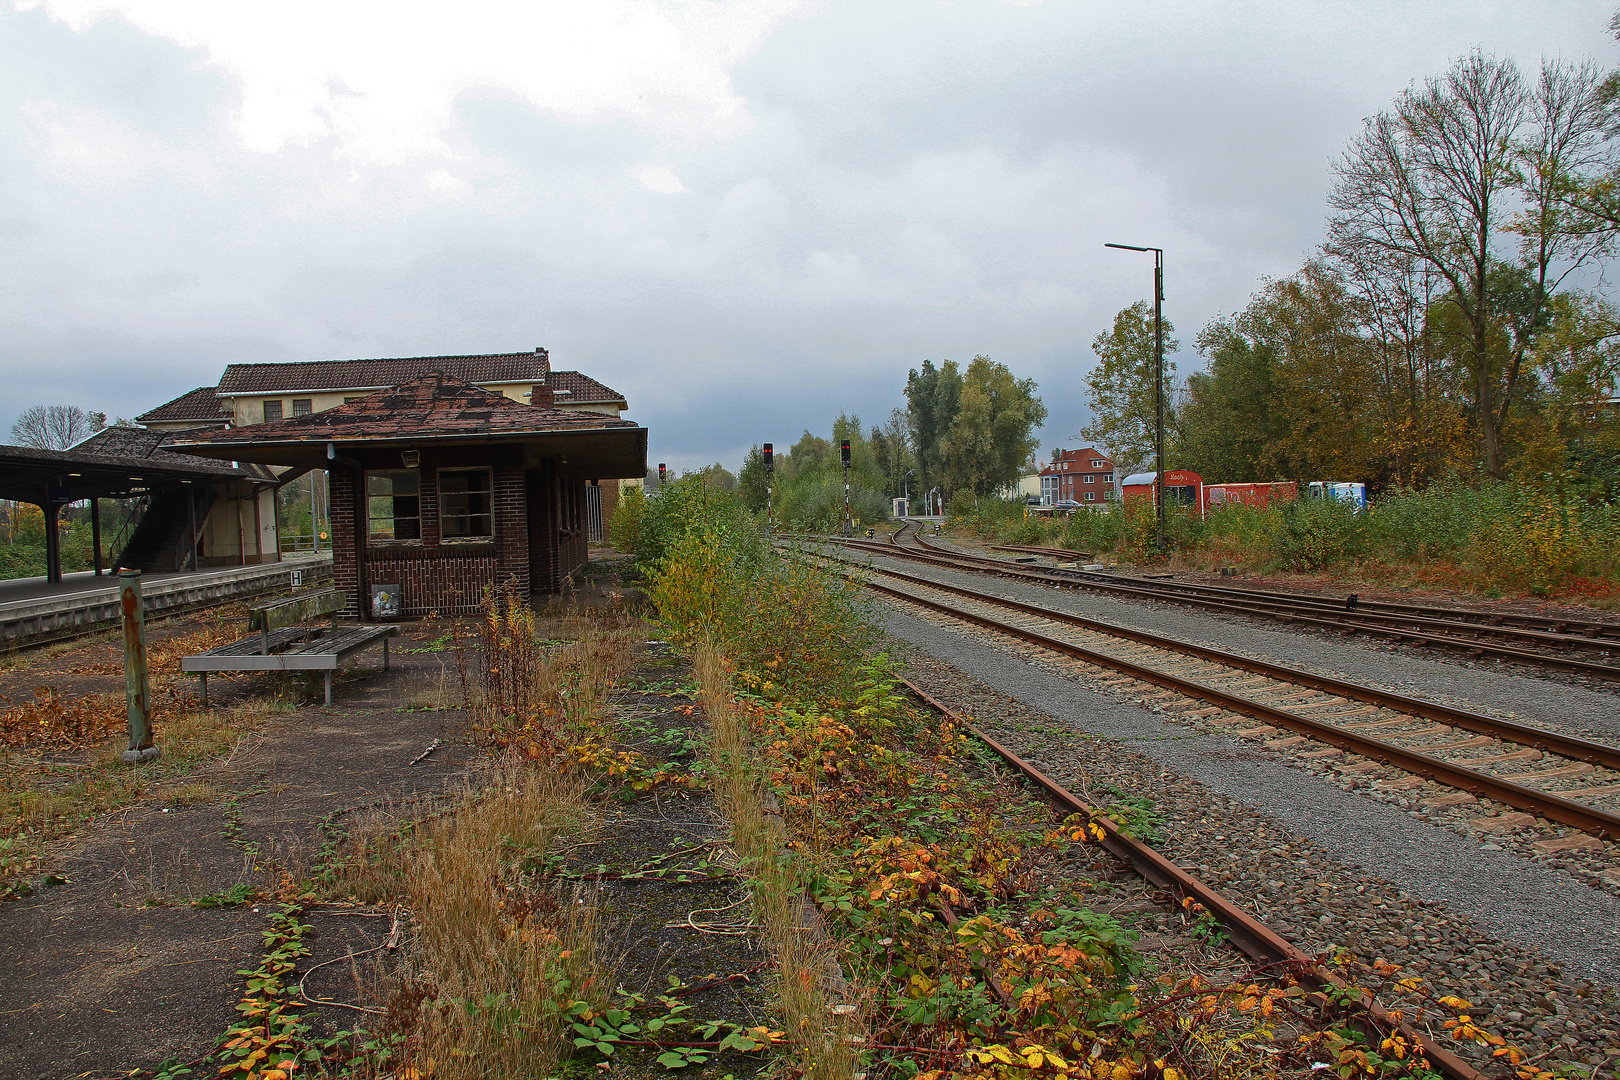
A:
x: 204, y: 676
x: 329, y: 688
x: 385, y: 654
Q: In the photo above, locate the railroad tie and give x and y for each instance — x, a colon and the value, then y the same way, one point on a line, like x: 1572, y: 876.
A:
x: 1576, y: 769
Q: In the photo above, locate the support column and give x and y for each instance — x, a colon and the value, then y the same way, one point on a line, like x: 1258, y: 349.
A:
x: 95, y: 531
x: 53, y: 542
x: 191, y: 532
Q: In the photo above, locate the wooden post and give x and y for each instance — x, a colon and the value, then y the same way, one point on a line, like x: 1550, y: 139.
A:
x: 136, y: 695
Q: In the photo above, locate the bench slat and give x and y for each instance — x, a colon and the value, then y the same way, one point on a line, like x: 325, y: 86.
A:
x: 295, y: 609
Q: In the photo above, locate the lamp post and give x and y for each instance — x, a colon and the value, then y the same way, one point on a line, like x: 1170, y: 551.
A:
x: 1158, y: 377
x: 905, y: 489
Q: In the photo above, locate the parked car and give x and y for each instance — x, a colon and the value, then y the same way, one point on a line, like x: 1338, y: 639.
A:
x: 1066, y: 504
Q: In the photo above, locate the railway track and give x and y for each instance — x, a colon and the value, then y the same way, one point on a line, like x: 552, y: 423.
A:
x: 1536, y: 647
x: 1597, y: 634
x: 1528, y: 768
x: 1248, y: 934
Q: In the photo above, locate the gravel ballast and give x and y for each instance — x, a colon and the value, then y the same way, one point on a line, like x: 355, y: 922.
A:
x: 1527, y: 943
x: 1556, y: 702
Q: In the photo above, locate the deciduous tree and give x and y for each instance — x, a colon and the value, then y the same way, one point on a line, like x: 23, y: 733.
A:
x: 1120, y: 390
x: 991, y: 437
x: 55, y: 427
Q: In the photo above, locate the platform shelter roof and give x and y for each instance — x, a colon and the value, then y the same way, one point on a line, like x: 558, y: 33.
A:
x: 435, y: 408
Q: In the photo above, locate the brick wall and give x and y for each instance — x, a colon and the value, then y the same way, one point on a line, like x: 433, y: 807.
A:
x: 434, y: 575
x: 341, y: 507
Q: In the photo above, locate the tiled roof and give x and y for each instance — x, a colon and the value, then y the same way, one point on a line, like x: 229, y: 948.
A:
x: 311, y: 375
x: 576, y: 388
x: 119, y: 441
x: 201, y: 404
x: 432, y: 406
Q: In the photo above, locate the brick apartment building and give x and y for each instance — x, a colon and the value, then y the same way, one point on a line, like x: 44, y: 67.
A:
x: 1084, y: 476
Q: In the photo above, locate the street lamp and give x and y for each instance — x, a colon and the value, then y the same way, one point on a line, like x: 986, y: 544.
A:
x: 905, y: 489
x: 1158, y: 374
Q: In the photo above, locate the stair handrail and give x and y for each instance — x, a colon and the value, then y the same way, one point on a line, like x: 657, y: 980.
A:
x: 121, y: 538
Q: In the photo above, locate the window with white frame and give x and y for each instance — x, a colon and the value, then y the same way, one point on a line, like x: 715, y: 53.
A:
x: 1091, y: 496
x: 466, y: 508
x: 1108, y: 478
x: 394, y: 506
x: 1097, y: 463
x: 1091, y: 478
x: 303, y: 406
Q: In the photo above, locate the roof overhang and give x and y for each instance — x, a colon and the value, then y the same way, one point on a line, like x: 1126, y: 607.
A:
x: 596, y: 453
x: 29, y: 475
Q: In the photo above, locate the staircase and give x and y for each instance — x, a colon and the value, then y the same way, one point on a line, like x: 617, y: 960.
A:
x: 160, y: 541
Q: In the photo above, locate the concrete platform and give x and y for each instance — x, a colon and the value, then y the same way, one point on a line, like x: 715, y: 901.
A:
x: 33, y: 611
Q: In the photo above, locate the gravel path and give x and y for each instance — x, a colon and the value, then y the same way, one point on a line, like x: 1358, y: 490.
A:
x: 1522, y: 940
x: 1557, y: 703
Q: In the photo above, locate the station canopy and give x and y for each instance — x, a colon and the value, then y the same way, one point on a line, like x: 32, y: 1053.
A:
x: 115, y: 463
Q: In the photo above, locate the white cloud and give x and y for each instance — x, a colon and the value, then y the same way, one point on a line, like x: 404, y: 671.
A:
x: 381, y: 79
x: 658, y: 178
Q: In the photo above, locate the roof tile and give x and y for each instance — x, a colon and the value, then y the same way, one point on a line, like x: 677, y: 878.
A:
x: 311, y: 375
x: 426, y: 407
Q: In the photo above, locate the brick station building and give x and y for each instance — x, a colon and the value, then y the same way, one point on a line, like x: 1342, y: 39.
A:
x: 440, y: 488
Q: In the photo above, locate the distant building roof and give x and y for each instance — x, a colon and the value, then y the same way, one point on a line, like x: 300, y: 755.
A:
x: 334, y: 375
x: 201, y: 405
x: 576, y: 388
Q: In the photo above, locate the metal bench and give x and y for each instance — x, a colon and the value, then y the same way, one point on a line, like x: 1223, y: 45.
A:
x: 283, y: 643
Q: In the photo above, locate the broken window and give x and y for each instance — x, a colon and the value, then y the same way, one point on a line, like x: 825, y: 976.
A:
x: 466, y: 511
x: 394, y: 502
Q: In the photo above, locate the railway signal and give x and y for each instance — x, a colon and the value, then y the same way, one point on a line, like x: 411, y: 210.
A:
x: 843, y: 450
x: 770, y: 467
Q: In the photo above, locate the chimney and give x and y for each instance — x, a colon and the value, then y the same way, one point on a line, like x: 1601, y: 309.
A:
x: 544, y: 358
x: 540, y: 394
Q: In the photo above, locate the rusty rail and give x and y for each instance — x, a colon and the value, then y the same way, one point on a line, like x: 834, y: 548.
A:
x: 1079, y: 579
x: 1506, y: 730
x: 1253, y: 937
x: 1585, y: 818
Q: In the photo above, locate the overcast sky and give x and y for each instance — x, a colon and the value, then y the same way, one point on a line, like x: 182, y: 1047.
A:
x: 745, y: 216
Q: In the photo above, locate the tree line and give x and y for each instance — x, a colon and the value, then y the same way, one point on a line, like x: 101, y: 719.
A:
x: 1451, y: 325
x: 962, y: 430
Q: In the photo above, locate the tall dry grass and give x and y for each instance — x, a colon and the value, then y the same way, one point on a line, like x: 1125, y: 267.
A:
x: 822, y: 1028
x: 502, y: 953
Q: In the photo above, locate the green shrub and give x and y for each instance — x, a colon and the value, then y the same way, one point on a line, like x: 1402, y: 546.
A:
x: 1318, y: 533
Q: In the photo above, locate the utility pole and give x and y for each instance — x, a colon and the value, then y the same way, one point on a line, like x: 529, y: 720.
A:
x: 770, y: 467
x: 843, y: 449
x: 1158, y: 382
